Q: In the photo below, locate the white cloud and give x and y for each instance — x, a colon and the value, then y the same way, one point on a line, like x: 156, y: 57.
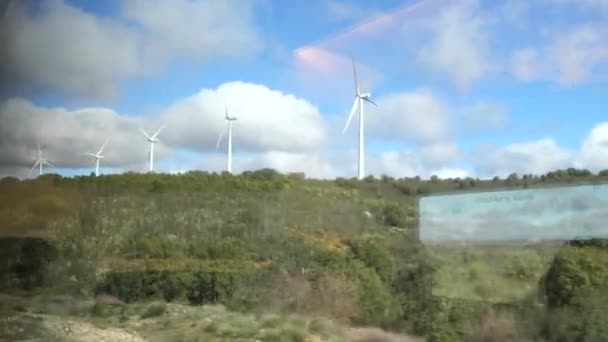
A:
x: 314, y: 165
x: 459, y: 45
x: 571, y: 56
x: 440, y: 153
x: 483, y: 117
x: 195, y: 30
x: 267, y: 120
x: 416, y: 115
x: 594, y: 150
x: 445, y: 173
x: 526, y: 64
x: 66, y: 49
x: 66, y: 135
x: 394, y: 163
x: 536, y: 157
x: 49, y: 49
x: 578, y: 52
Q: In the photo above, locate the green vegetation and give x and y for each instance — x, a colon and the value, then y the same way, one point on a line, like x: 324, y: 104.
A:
x: 268, y: 246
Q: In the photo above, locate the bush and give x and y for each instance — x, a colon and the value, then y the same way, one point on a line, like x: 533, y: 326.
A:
x: 371, y: 250
x: 394, y: 215
x: 378, y: 307
x: 574, y: 269
x: 154, y: 310
x: 99, y: 310
x: 584, y: 319
x: 26, y: 262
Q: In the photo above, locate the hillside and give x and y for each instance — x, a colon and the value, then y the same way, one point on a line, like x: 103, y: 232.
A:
x: 263, y: 243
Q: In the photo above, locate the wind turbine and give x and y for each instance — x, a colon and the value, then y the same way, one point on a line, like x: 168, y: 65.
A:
x: 98, y: 156
x: 40, y: 162
x: 229, y: 119
x: 152, y: 140
x: 359, y: 98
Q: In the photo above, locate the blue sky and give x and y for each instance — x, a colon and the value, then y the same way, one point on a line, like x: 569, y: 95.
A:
x: 467, y: 87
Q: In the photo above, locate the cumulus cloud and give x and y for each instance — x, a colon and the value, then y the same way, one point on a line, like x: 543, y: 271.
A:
x: 595, y: 148
x: 459, y: 44
x: 319, y: 165
x: 440, y: 153
x: 314, y: 165
x: 195, y: 30
x: 394, y: 163
x: 446, y: 173
x: 62, y: 47
x: 66, y: 135
x: 273, y: 130
x: 267, y: 119
x: 569, y: 58
x: 536, y: 157
x: 483, y: 117
x: 416, y: 115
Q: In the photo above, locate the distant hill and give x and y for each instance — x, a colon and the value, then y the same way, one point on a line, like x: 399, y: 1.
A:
x: 256, y: 242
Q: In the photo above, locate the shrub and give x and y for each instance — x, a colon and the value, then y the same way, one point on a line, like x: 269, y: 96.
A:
x: 394, y: 215
x: 154, y: 310
x: 371, y: 250
x: 97, y: 310
x: 573, y: 269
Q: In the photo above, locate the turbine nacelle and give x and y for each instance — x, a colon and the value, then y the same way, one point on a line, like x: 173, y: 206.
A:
x: 152, y: 140
x: 41, y: 162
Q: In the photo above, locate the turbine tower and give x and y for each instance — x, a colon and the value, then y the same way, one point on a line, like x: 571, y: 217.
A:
x: 229, y: 120
x: 152, y: 140
x: 359, y: 98
x: 98, y: 156
x: 40, y: 162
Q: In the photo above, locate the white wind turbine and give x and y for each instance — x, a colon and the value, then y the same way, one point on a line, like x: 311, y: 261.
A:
x: 40, y: 162
x: 152, y: 140
x: 98, y: 156
x: 359, y: 98
x: 229, y: 119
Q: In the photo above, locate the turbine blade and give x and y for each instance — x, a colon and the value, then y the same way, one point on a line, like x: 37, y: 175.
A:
x: 145, y: 134
x: 370, y: 101
x: 33, y: 167
x: 352, y: 113
x: 158, y: 131
x: 217, y: 146
x: 48, y: 163
x: 356, y: 77
x: 91, y: 154
x: 226, y: 112
x: 102, y: 146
